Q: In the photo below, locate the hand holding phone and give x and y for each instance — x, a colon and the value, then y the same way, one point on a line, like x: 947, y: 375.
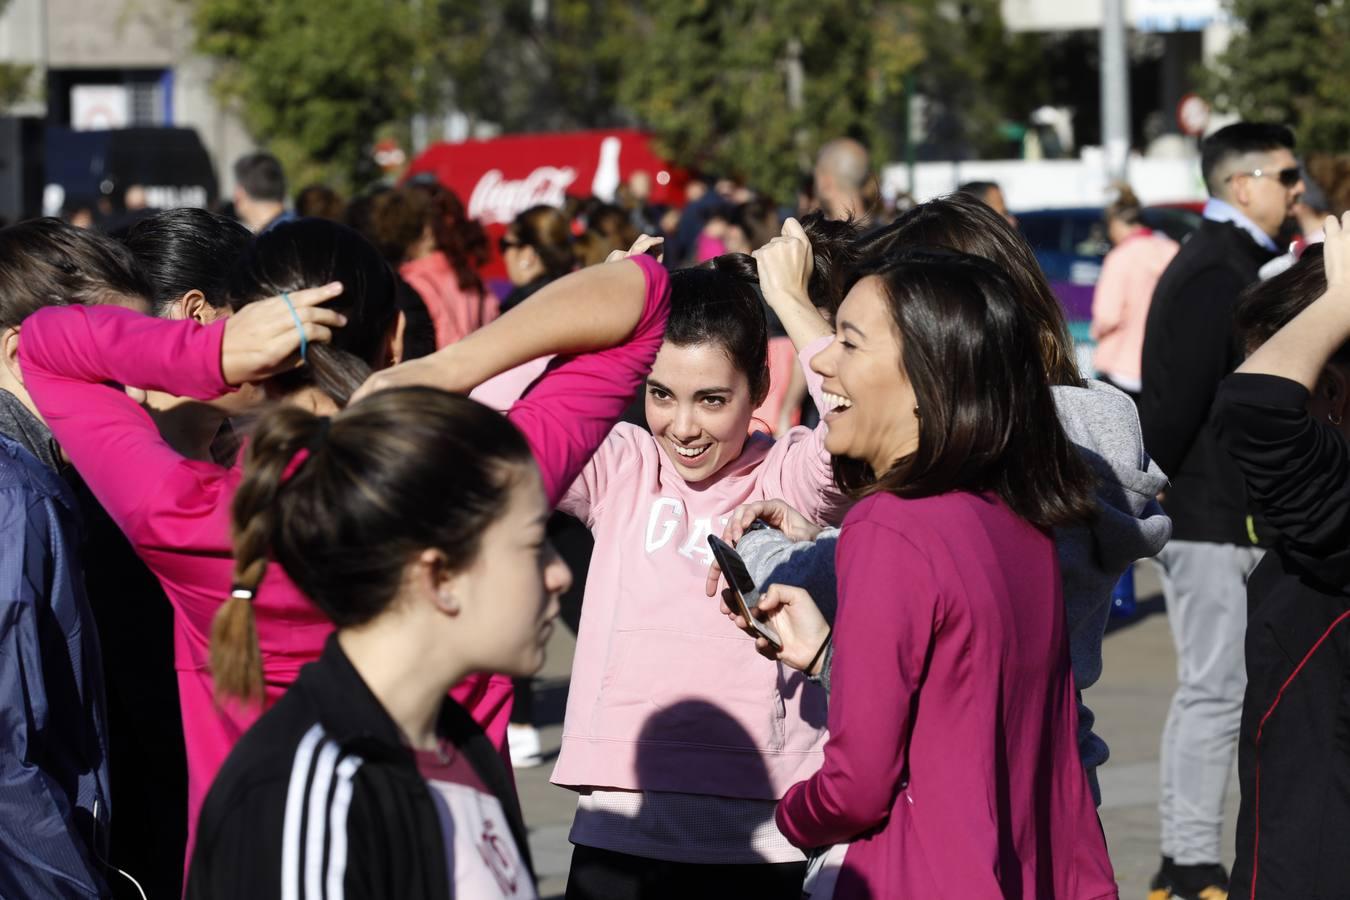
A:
x: 742, y: 593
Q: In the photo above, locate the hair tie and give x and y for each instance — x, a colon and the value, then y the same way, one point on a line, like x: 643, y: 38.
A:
x: 294, y: 465
x: 239, y: 592
x: 299, y: 326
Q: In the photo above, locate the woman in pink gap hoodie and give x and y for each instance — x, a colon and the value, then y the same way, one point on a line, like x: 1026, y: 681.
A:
x: 678, y: 740
x: 952, y: 767
x: 175, y: 511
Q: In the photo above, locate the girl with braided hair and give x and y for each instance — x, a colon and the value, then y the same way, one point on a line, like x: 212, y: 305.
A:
x: 415, y: 521
x: 315, y: 315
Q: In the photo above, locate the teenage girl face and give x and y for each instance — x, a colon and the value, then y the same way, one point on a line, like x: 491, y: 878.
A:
x: 871, y: 400
x: 698, y: 408
x: 508, y: 595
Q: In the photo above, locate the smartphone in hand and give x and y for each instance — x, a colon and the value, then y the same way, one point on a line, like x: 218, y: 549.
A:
x: 744, y: 594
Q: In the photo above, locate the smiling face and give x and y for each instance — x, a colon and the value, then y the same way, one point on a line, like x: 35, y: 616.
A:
x: 870, y: 398
x: 698, y: 408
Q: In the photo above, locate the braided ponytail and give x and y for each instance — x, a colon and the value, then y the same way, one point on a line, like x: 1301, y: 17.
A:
x: 271, y: 460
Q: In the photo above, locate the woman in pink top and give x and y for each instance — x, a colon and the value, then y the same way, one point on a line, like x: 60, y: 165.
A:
x: 423, y: 230
x: 175, y: 511
x: 952, y: 767
x: 677, y: 740
x: 1124, y: 292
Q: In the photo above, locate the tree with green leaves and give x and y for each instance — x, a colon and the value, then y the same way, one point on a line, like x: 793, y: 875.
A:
x: 751, y: 89
x: 315, y: 80
x: 16, y: 81
x: 1287, y: 63
x: 527, y: 66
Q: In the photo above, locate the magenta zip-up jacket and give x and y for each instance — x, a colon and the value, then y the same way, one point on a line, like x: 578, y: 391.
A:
x: 176, y: 511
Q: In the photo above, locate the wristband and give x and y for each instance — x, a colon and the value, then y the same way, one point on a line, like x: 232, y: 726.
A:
x: 829, y: 632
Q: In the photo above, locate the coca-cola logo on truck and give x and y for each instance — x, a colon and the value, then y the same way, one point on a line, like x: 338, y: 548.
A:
x: 497, y: 200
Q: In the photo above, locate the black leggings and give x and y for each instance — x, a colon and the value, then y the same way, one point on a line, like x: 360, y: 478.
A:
x: 606, y: 875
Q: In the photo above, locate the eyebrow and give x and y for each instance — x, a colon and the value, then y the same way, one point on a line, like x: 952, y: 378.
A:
x: 704, y: 392
x: 849, y: 326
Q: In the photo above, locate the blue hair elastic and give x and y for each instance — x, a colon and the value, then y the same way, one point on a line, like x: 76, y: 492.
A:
x: 299, y: 326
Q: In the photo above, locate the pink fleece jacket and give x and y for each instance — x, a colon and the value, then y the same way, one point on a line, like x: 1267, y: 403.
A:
x: 454, y: 312
x: 652, y: 642
x: 176, y: 511
x: 952, y: 763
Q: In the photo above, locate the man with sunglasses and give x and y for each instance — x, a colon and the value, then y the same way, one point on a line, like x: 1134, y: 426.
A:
x: 1189, y: 347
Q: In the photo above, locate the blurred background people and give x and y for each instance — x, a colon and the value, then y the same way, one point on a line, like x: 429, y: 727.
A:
x: 260, y: 192
x: 1124, y: 291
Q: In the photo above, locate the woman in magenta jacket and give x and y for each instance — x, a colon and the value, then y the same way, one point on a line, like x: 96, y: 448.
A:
x: 952, y: 768
x: 176, y: 511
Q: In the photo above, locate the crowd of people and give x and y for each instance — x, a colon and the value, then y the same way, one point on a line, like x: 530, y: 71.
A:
x: 296, y: 495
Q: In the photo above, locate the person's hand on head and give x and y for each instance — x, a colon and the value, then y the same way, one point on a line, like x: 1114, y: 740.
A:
x: 643, y: 244
x: 1336, y: 253
x: 796, y: 619
x: 774, y: 513
x: 785, y: 264
x: 264, y: 338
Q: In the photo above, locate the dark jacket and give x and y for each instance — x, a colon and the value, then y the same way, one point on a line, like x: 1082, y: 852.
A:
x: 328, y: 743
x: 1189, y: 346
x: 1296, y: 714
x: 54, y: 809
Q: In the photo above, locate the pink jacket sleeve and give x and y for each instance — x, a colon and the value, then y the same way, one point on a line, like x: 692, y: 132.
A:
x: 799, y: 469
x: 887, y: 613
x: 567, y: 415
x: 69, y: 356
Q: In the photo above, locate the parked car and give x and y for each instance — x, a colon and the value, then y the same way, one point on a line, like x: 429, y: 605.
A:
x: 1070, y: 245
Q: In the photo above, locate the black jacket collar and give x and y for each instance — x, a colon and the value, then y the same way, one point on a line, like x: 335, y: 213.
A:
x: 354, y: 717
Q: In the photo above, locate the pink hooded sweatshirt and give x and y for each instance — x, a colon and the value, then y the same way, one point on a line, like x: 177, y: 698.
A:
x: 176, y: 511
x: 651, y: 641
x: 454, y: 311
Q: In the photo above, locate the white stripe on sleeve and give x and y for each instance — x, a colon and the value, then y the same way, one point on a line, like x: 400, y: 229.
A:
x: 316, y: 823
x: 337, y: 826
x: 295, y: 805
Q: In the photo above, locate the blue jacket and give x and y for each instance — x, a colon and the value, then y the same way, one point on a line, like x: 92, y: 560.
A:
x: 53, y: 740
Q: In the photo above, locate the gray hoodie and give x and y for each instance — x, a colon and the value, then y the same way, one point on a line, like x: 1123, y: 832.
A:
x: 1130, y: 524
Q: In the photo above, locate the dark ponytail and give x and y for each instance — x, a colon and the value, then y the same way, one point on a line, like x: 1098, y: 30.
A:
x: 309, y: 253
x: 344, y: 505
x: 718, y: 302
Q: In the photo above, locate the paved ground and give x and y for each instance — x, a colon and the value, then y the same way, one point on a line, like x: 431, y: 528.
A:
x: 1130, y: 701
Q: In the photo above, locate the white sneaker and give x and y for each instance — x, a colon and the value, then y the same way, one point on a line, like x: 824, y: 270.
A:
x: 523, y: 740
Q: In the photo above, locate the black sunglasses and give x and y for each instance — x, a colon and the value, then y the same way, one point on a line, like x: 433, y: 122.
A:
x: 1288, y: 177
x: 504, y: 243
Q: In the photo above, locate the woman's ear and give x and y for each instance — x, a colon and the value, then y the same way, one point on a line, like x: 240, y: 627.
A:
x: 394, y: 342
x: 193, y: 305
x: 9, y: 353
x: 1333, y: 389
x: 435, y: 582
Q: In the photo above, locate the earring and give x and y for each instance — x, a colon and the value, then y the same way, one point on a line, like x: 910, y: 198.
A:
x: 1335, y: 420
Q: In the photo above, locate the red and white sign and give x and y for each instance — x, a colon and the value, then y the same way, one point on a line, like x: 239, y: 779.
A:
x: 500, y: 178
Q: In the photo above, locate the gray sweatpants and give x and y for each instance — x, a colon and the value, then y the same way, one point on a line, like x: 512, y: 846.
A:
x: 1206, y: 590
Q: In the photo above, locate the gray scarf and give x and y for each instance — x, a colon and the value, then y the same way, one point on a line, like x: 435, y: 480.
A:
x: 20, y: 425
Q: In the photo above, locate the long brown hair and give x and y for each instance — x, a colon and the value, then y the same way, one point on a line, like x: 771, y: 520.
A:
x: 967, y: 225
x: 987, y: 419
x: 343, y: 505
x: 463, y: 240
